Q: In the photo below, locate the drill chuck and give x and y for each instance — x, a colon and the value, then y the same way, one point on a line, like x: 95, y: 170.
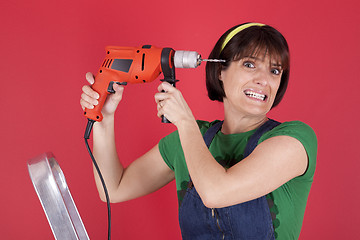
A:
x: 187, y: 59
x: 191, y: 59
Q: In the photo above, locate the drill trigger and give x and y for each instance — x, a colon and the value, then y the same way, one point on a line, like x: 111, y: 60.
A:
x: 110, y: 87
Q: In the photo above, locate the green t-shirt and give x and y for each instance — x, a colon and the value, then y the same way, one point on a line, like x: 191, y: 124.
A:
x: 289, y: 199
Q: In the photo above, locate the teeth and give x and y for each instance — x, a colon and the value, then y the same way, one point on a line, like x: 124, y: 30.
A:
x: 255, y: 95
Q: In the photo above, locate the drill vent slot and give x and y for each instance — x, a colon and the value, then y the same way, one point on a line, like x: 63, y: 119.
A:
x: 107, y: 63
x: 143, y: 62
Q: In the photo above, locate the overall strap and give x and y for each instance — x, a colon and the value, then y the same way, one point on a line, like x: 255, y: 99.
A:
x: 253, y: 141
x: 211, y: 132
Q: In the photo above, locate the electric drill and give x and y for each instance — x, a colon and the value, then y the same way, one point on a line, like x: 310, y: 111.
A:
x: 124, y: 65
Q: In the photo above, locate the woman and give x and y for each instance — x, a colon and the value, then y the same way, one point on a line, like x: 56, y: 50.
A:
x: 251, y: 177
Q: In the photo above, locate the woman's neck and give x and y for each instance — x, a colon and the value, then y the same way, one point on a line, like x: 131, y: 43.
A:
x: 235, y: 122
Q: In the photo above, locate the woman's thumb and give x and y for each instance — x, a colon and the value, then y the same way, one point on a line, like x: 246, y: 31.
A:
x: 90, y: 77
x: 119, y: 89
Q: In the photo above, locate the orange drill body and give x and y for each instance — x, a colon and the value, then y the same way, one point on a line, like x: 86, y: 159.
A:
x: 128, y: 65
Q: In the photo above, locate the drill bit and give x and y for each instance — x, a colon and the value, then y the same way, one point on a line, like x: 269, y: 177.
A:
x: 213, y: 60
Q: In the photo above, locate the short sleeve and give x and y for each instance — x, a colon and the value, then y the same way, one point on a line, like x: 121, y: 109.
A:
x: 305, y: 134
x: 168, y: 146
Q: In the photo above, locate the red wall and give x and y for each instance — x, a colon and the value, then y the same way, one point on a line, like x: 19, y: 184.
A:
x: 47, y: 47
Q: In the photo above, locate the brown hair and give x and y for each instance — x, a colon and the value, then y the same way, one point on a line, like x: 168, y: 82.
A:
x: 248, y: 42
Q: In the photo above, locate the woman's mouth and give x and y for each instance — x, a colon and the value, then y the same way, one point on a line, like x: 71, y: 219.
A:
x: 255, y: 95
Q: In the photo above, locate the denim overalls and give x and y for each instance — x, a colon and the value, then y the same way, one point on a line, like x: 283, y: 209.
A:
x: 248, y: 220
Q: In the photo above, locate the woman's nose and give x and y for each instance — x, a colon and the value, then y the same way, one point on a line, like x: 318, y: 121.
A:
x: 262, y: 78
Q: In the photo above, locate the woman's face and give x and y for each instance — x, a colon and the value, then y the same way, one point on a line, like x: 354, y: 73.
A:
x: 251, y: 84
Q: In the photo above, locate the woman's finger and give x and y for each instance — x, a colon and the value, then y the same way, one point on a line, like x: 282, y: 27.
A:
x: 160, y: 104
x: 90, y: 77
x: 160, y: 112
x: 166, y: 87
x: 161, y: 96
x: 84, y: 104
x: 89, y: 99
x: 119, y: 89
x: 90, y: 92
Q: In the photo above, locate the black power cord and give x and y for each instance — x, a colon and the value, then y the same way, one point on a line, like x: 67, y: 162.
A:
x: 86, y: 137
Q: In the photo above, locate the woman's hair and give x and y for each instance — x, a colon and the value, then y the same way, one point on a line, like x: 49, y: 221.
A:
x: 251, y: 41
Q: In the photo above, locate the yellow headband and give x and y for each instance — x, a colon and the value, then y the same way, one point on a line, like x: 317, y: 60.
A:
x: 237, y: 30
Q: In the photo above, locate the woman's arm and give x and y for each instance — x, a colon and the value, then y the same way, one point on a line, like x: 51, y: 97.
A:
x: 145, y: 175
x: 272, y: 163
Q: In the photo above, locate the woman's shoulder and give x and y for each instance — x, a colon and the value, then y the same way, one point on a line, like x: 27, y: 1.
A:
x: 303, y: 133
x: 297, y: 129
x: 293, y: 127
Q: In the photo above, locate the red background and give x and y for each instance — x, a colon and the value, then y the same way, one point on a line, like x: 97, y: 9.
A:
x: 48, y: 46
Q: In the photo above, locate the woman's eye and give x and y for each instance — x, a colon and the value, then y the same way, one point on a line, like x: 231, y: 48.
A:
x: 249, y: 64
x: 275, y: 71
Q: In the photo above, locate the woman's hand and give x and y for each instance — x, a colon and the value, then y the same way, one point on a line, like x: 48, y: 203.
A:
x: 172, y: 105
x: 89, y: 97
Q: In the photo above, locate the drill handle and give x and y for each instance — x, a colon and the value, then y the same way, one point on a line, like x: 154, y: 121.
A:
x: 168, y: 69
x: 95, y: 113
x: 101, y: 86
x: 173, y: 83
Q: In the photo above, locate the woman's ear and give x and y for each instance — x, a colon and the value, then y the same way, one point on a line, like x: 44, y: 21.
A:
x: 221, y: 73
